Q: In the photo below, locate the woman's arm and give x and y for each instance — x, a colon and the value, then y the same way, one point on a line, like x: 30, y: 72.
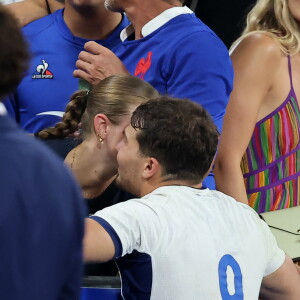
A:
x: 31, y: 10
x: 255, y: 63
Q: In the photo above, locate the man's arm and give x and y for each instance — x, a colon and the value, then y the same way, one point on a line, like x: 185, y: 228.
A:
x: 97, y: 244
x: 31, y: 10
x: 283, y: 284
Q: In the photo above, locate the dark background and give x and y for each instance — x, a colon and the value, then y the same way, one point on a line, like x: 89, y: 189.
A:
x: 225, y: 17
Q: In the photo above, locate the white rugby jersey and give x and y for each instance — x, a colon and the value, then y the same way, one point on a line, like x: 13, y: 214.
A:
x: 184, y: 243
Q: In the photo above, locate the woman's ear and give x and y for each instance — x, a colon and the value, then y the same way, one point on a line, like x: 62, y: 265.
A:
x: 101, y: 123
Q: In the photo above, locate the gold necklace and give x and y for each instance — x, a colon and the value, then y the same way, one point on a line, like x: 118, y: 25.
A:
x: 73, y: 158
x: 85, y: 194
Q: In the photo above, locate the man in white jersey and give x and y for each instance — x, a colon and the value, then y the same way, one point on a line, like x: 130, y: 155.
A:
x: 180, y: 241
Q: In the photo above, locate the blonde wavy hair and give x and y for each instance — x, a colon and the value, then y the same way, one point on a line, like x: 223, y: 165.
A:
x: 275, y: 18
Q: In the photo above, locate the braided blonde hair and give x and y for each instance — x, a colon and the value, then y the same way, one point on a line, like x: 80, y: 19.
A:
x: 113, y: 96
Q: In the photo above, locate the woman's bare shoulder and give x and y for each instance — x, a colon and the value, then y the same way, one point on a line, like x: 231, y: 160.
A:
x: 261, y: 42
x: 258, y: 46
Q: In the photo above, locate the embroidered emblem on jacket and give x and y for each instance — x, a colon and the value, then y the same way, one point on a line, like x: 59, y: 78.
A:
x: 143, y: 66
x: 42, y: 71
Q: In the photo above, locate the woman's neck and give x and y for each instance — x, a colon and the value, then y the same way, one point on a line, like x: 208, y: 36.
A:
x: 90, y: 169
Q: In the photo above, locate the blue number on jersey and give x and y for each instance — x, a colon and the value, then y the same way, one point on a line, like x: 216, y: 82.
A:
x: 225, y: 261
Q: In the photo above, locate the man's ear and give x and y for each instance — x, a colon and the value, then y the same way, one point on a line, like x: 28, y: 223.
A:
x: 151, y: 168
x: 100, y: 125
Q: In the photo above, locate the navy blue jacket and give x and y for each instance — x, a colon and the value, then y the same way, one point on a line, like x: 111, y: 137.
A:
x: 41, y: 221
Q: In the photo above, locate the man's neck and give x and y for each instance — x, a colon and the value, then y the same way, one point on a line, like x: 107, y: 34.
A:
x: 142, y: 12
x: 151, y: 186
x: 93, y: 23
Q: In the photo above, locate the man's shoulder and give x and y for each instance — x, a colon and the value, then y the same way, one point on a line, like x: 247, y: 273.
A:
x: 186, y: 31
x: 27, y: 154
x: 223, y: 197
x: 189, y: 24
x: 42, y: 25
x: 30, y: 169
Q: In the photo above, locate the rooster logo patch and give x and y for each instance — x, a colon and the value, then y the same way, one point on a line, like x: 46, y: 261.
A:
x: 42, y: 71
x: 143, y: 66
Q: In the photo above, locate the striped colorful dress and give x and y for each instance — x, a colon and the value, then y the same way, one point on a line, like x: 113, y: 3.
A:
x: 271, y: 163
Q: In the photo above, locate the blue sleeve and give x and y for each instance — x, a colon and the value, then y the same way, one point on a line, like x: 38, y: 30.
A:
x: 11, y: 106
x: 75, y: 213
x: 73, y: 281
x: 201, y: 71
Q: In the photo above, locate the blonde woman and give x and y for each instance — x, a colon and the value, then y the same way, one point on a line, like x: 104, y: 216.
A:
x: 104, y: 113
x: 259, y: 154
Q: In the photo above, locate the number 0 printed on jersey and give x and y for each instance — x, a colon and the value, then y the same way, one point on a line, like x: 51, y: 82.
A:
x: 230, y: 279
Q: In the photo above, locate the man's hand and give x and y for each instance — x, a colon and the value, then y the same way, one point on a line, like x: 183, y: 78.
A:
x: 98, y: 63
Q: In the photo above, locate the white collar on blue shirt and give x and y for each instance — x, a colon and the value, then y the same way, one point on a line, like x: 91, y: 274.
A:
x: 2, y: 109
x: 157, y: 22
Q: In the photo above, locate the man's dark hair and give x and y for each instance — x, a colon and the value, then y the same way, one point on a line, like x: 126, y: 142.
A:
x: 13, y: 53
x: 180, y: 134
